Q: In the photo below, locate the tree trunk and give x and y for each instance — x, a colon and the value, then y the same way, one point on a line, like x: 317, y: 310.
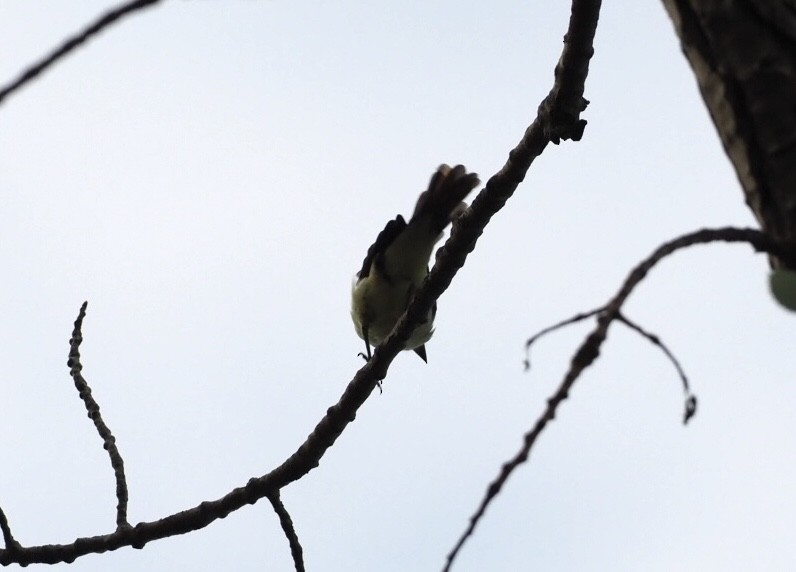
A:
x: 743, y: 53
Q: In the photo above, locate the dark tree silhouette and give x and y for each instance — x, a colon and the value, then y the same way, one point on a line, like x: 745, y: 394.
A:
x: 744, y: 57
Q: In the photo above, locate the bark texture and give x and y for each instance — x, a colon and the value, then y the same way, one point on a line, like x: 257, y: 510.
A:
x: 743, y: 53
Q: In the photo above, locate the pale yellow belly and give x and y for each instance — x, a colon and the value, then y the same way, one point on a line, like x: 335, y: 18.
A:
x: 379, y: 304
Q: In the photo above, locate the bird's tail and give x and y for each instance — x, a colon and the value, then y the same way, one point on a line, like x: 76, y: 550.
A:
x: 408, y: 255
x: 443, y: 200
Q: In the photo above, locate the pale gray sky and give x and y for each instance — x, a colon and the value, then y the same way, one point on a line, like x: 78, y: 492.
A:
x: 209, y: 175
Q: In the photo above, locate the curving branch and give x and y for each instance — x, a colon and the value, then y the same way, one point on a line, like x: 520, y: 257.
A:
x: 690, y: 399
x: 93, y: 408
x: 589, y: 350
x: 73, y: 43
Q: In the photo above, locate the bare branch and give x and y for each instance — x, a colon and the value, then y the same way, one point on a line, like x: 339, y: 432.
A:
x: 589, y: 350
x: 690, y: 403
x: 109, y: 441
x: 12, y: 545
x: 72, y: 43
x: 569, y: 321
x: 290, y: 532
x: 690, y: 399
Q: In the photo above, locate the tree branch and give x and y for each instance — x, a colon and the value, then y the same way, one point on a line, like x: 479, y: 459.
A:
x: 290, y: 532
x: 690, y: 399
x: 12, y: 545
x: 93, y: 408
x: 589, y: 350
x: 73, y: 43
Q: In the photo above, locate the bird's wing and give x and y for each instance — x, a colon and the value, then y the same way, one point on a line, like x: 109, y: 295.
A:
x: 383, y: 240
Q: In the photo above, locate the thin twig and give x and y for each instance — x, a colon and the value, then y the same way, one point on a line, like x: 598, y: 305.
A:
x: 12, y: 545
x: 573, y: 320
x: 690, y: 398
x: 589, y: 350
x: 109, y: 441
x: 72, y: 43
x: 290, y: 532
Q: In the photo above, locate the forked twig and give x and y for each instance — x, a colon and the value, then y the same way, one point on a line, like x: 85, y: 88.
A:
x: 589, y: 350
x: 549, y: 329
x: 690, y: 398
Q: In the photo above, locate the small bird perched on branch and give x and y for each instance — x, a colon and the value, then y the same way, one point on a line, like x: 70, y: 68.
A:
x: 397, y: 263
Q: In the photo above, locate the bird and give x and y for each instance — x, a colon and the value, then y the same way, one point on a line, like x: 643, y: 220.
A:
x: 397, y: 262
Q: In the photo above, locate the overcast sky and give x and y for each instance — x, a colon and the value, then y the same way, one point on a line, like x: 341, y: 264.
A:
x: 209, y: 174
